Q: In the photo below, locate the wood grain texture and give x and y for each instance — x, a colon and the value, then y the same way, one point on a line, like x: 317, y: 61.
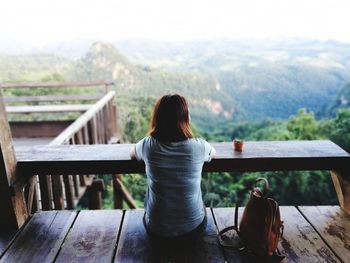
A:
x: 41, y: 238
x: 300, y: 242
x: 333, y: 224
x: 341, y: 181
x: 206, y: 249
x: 134, y: 244
x: 92, y: 238
x: 5, y: 238
x: 114, y: 158
x: 224, y: 217
x: 13, y: 210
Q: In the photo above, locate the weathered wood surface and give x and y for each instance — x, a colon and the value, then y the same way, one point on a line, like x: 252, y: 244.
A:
x: 224, y: 217
x: 333, y: 224
x: 54, y: 84
x: 5, y: 238
x: 114, y: 158
x: 300, y: 242
x: 41, y: 238
x: 13, y: 211
x: 49, y: 108
x: 95, y: 236
x: 341, y: 181
x: 134, y: 244
x: 92, y: 238
x: 38, y: 128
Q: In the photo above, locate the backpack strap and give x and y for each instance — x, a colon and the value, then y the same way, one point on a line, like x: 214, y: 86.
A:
x: 232, y: 242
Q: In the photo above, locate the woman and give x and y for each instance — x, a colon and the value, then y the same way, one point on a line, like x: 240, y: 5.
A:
x: 174, y: 209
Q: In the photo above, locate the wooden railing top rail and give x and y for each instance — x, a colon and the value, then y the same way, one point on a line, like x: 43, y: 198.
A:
x: 58, y: 84
x: 79, y: 123
x: 257, y: 156
x: 44, y: 98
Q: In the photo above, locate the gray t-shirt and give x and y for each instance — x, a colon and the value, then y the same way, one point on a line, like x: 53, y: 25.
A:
x: 173, y: 203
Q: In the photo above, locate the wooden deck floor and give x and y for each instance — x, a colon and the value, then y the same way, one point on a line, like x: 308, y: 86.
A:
x: 312, y: 234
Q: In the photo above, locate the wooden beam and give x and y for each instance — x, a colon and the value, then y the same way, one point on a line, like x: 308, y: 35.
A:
x: 14, y: 99
x: 49, y: 108
x: 13, y: 210
x: 56, y: 84
x: 114, y: 158
x: 38, y: 128
x: 341, y: 181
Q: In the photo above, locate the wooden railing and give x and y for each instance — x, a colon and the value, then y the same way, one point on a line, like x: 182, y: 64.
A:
x: 97, y: 125
x: 257, y: 156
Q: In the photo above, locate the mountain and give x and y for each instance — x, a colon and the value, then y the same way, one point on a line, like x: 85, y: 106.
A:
x: 270, y: 78
x: 340, y: 101
x: 225, y: 81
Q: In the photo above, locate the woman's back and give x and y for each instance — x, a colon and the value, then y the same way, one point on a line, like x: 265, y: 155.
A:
x: 173, y: 202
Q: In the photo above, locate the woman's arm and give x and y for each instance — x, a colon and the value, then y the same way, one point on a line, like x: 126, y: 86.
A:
x: 213, y: 153
x: 133, y: 153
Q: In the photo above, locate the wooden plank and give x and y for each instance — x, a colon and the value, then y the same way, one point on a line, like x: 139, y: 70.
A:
x: 46, y: 192
x: 114, y: 158
x: 5, y: 238
x: 41, y: 238
x: 300, y: 242
x: 49, y: 108
x: 51, y: 98
x: 93, y: 237
x: 134, y: 244
x: 224, y: 217
x: 38, y: 128
x: 206, y: 249
x: 333, y: 224
x: 57, y: 192
x: 68, y: 187
x: 341, y: 181
x: 56, y: 84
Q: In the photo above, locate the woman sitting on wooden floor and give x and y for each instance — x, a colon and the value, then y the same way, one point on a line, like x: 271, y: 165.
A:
x: 174, y: 209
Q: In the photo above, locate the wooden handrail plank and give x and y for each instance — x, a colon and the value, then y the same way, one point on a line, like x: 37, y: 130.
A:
x: 49, y: 108
x: 54, y: 84
x: 114, y: 158
x: 13, y: 99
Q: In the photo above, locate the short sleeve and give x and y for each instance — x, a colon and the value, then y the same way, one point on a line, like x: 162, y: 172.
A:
x: 207, y: 151
x: 138, y: 150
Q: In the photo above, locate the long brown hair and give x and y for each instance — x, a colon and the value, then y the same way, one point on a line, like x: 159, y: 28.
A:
x: 170, y: 120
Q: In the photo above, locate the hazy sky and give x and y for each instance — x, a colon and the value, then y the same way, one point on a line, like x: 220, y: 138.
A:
x: 46, y: 21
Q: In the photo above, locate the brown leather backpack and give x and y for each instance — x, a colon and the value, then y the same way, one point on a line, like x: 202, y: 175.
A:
x: 260, y: 227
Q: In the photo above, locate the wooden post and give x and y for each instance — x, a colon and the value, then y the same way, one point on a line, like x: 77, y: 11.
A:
x: 57, y: 192
x: 46, y: 192
x: 341, y: 183
x: 117, y: 195
x: 119, y: 190
x: 95, y: 194
x: 13, y: 210
x: 68, y: 186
